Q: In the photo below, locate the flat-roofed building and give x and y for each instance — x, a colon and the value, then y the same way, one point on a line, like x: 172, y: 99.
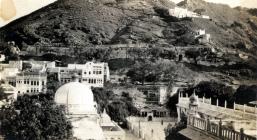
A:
x: 93, y: 74
x: 28, y: 82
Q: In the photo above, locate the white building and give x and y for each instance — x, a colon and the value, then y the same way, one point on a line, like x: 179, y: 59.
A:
x: 10, y: 69
x: 10, y: 93
x: 92, y: 74
x: 163, y: 95
x: 81, y: 110
x: 202, y: 36
x: 2, y: 57
x: 183, y: 13
x: 28, y: 82
x: 31, y: 82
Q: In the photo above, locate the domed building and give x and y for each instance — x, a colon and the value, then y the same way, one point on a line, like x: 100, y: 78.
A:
x: 81, y: 110
x: 77, y: 98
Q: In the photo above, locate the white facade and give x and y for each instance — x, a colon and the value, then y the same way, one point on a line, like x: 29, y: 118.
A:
x: 8, y: 72
x: 31, y: 82
x: 200, y: 32
x: 28, y: 82
x: 163, y: 95
x: 92, y: 74
x: 202, y: 36
x: 183, y: 13
x: 2, y: 57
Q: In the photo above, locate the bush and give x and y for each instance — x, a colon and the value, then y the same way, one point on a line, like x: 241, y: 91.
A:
x: 246, y: 94
x: 38, y: 118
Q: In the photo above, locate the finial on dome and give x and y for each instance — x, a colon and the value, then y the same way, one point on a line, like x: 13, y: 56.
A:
x: 75, y: 77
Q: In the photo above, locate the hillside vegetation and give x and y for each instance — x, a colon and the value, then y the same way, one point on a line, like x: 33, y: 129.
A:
x: 135, y: 31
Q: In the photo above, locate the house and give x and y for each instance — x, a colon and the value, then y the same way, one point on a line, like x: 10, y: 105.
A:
x: 93, y: 74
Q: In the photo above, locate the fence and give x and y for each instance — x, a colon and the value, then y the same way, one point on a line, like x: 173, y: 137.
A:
x: 218, y: 130
x: 238, y: 110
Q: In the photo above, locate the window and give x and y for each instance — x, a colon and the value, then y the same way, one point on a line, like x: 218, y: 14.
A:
x: 89, y: 73
x: 31, y: 82
x: 37, y: 82
x: 43, y: 83
x: 27, y: 91
x: 85, y: 72
x: 94, y: 81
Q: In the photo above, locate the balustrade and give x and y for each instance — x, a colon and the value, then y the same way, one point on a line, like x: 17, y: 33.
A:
x: 218, y: 130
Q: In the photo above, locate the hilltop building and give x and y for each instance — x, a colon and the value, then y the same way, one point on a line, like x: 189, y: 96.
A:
x: 202, y: 36
x: 185, y: 13
x: 81, y: 109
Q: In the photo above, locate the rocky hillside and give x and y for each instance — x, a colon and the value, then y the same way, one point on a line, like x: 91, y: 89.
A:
x: 236, y: 27
x: 79, y: 22
x: 91, y: 23
x: 88, y: 22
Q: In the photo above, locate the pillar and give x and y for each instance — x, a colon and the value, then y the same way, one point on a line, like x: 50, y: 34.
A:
x: 234, y: 106
x: 178, y: 111
x: 210, y: 101
x: 187, y: 95
x: 220, y: 129
x: 208, y: 128
x: 203, y: 99
x: 217, y: 102
x: 244, y: 108
x: 225, y: 103
x: 242, y: 134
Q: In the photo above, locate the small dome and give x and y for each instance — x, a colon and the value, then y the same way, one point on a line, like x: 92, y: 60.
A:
x: 77, y: 97
x: 193, y: 99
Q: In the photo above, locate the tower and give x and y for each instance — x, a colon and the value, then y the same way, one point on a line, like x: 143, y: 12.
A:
x: 193, y: 105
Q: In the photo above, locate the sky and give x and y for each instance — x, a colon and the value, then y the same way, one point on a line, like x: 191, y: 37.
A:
x: 13, y: 9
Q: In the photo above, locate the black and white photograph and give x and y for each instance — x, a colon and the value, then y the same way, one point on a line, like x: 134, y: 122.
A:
x: 128, y: 69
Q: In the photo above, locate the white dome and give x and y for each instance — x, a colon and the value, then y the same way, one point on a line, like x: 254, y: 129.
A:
x: 77, y: 97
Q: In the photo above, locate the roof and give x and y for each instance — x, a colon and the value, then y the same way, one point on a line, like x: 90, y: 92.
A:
x: 77, y: 97
x: 194, y: 134
x: 85, y: 129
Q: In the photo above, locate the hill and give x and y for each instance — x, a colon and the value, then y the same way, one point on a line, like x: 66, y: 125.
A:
x: 100, y: 24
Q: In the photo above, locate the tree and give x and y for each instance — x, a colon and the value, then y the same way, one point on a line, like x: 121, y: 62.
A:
x: 35, y: 118
x: 144, y: 71
x: 215, y: 90
x: 194, y: 54
x: 246, y: 94
x: 118, y: 109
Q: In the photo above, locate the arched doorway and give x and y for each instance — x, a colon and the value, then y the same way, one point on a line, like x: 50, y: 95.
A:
x: 150, y: 118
